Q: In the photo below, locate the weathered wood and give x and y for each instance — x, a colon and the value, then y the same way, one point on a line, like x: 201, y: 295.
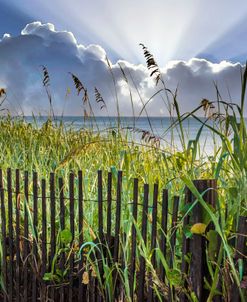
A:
x: 153, y: 239
x: 185, y: 251
x: 43, y: 238
x: 53, y: 227
x: 109, y: 204
x: 100, y: 230
x: 81, y: 290
x: 198, y: 266
x: 3, y: 230
x: 163, y: 233
x: 35, y: 238
x: 173, y: 241
x: 10, y: 236
x: 240, y: 253
x: 62, y: 227
x: 72, y: 230
x: 133, y: 239
x: 142, y: 271
x: 26, y: 239
x: 118, y: 216
x: 17, y: 231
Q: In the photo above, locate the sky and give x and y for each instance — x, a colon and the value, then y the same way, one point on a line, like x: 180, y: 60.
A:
x: 195, y: 43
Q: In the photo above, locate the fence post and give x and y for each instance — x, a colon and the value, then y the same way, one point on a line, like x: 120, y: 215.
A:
x: 17, y: 230
x: 173, y: 241
x: 117, y: 227
x: 62, y: 227
x: 10, y: 236
x: 43, y: 238
x: 163, y: 233
x: 133, y: 239
x: 109, y: 202
x: 241, y: 252
x: 53, y: 226
x: 35, y: 239
x: 153, y: 239
x: 118, y: 216
x: 142, y: 271
x: 185, y: 250
x: 198, y: 265
x: 81, y: 292
x: 3, y: 229
x: 100, y: 255
x: 26, y: 241
x: 72, y: 230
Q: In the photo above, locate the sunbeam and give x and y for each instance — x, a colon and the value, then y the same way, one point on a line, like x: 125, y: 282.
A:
x: 172, y: 29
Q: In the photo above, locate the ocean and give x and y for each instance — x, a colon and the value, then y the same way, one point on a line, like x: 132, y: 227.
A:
x: 160, y: 127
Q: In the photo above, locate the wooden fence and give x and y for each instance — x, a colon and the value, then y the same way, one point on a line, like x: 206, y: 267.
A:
x: 45, y: 256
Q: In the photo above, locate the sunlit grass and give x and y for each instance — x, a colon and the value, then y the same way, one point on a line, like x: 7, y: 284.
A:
x: 54, y: 147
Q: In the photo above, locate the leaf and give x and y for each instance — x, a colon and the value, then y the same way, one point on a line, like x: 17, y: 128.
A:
x: 187, y: 231
x: 85, y: 278
x: 66, y: 236
x: 233, y: 191
x: 241, y: 268
x: 198, y: 228
x: 174, y: 276
x: 205, y: 215
x: 47, y: 277
x: 212, y: 237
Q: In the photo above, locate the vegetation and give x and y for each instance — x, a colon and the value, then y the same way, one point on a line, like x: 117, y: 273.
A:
x: 59, y: 148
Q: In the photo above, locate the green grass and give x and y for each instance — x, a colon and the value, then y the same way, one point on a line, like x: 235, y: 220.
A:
x: 54, y: 147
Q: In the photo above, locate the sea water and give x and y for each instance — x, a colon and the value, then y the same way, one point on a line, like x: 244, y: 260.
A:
x: 166, y: 129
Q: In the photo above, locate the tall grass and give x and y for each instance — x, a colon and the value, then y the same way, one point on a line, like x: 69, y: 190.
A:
x: 59, y: 148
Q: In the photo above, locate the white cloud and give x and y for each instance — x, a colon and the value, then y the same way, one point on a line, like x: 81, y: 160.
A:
x: 40, y: 44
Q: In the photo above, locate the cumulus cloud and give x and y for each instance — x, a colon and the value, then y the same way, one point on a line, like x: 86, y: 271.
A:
x: 39, y: 44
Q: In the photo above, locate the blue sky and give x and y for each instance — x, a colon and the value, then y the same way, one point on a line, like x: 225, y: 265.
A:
x: 186, y: 37
x: 214, y: 29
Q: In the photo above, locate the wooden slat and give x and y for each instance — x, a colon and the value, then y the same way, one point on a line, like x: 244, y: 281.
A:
x: 17, y: 230
x: 100, y: 207
x: 109, y: 204
x: 81, y: 292
x: 174, y: 228
x: 10, y: 235
x: 118, y: 217
x: 133, y: 239
x: 52, y: 216
x: 100, y: 229
x: 35, y: 239
x: 198, y: 266
x: 3, y: 229
x: 53, y: 226
x: 117, y: 231
x: 142, y: 272
x: 241, y: 252
x: 163, y: 231
x: 185, y: 249
x: 26, y: 241
x: 153, y: 239
x: 62, y: 227
x: 173, y: 241
x: 72, y: 230
x: 43, y: 236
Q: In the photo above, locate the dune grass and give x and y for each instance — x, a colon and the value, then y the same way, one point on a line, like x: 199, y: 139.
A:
x: 59, y: 148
